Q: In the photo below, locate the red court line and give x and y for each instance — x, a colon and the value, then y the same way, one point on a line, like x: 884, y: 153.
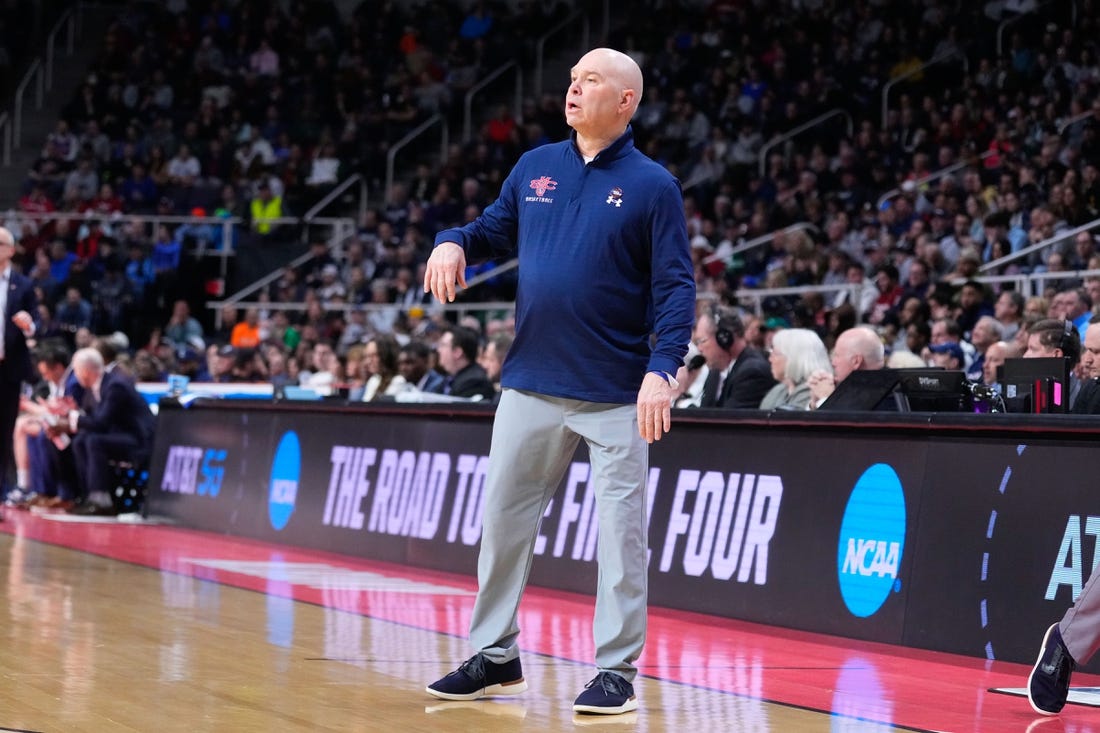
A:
x: 869, y: 681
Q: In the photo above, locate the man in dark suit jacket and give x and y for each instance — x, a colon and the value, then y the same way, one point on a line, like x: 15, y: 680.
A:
x: 457, y: 350
x: 17, y: 302
x: 414, y: 364
x: 739, y: 375
x: 1088, y: 399
x: 119, y: 426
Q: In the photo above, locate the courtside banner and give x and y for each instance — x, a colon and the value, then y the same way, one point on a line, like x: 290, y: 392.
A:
x: 883, y: 534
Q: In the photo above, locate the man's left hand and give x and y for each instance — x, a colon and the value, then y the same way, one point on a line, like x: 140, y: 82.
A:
x: 654, y: 407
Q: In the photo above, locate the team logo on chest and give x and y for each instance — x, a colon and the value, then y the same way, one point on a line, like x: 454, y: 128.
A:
x: 542, y: 186
x: 616, y: 197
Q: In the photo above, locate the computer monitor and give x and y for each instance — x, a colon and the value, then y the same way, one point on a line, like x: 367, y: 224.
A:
x: 865, y: 389
x: 935, y: 390
x: 1036, y: 385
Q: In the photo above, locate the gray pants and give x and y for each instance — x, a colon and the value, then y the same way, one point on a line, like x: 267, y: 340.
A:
x: 1080, y: 627
x: 534, y: 437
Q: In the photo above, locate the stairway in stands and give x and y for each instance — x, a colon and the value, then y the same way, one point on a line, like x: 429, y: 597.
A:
x: 69, y: 72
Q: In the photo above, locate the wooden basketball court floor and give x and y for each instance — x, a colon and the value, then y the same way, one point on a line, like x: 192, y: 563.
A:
x: 126, y: 627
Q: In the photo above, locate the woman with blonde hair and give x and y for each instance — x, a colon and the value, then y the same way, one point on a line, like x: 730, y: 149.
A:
x: 796, y: 353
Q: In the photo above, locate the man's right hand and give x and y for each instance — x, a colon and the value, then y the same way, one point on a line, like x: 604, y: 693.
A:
x: 821, y: 385
x: 446, y: 266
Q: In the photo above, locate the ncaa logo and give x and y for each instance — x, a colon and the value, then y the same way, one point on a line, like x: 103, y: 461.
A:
x: 872, y: 537
x: 285, y: 470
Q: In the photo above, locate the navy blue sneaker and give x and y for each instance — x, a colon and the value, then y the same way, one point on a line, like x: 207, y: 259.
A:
x: 478, y: 677
x: 1048, y: 683
x: 607, y: 694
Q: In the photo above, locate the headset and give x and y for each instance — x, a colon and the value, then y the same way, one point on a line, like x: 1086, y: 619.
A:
x: 1063, y: 341
x: 1070, y: 347
x: 727, y: 327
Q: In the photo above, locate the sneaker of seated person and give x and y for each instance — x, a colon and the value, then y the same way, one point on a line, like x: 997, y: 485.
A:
x: 19, y: 498
x: 479, y: 677
x: 607, y: 694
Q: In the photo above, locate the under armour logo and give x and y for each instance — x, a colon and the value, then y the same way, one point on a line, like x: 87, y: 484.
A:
x: 615, y: 197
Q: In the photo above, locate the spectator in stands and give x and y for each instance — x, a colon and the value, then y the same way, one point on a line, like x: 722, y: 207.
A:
x: 987, y: 331
x: 380, y: 357
x: 184, y: 168
x: 182, y: 329
x: 246, y: 333
x: 888, y: 296
x: 457, y: 349
x: 995, y: 357
x: 414, y: 362
x: 972, y: 306
x: 857, y: 348
x: 324, y: 370
x: 1009, y: 311
x: 492, y: 358
x: 265, y: 208
x: 796, y: 353
x: 948, y: 355
x: 739, y: 375
x: 1075, y: 305
x: 74, y: 311
x: 118, y: 427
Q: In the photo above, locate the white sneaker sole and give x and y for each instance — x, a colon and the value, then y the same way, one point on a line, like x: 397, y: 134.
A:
x: 508, y: 688
x: 626, y: 707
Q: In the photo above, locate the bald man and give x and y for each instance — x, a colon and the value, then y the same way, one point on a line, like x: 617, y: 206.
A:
x: 855, y: 349
x: 17, y: 302
x: 604, y: 265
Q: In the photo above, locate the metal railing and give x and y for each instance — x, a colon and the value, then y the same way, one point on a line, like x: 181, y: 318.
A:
x: 41, y: 73
x: 994, y: 264
x: 1009, y: 21
x: 540, y: 45
x: 757, y: 242
x: 5, y: 138
x: 757, y: 297
x: 468, y: 101
x: 490, y: 274
x: 461, y: 309
x: 934, y: 176
x: 67, y: 23
x: 954, y: 53
x: 34, y: 74
x: 762, y: 159
x: 310, y: 217
x: 436, y: 119
x: 1070, y: 122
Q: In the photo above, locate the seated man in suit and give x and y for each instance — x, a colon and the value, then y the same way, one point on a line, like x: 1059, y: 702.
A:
x: 119, y: 426
x: 457, y: 349
x: 856, y: 349
x: 1088, y: 399
x: 414, y: 364
x: 739, y: 375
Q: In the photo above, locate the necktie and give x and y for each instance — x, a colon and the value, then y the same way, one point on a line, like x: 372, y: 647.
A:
x: 710, y: 389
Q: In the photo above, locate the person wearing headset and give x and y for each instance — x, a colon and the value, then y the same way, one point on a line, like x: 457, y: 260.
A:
x: 1054, y: 337
x: 739, y: 375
